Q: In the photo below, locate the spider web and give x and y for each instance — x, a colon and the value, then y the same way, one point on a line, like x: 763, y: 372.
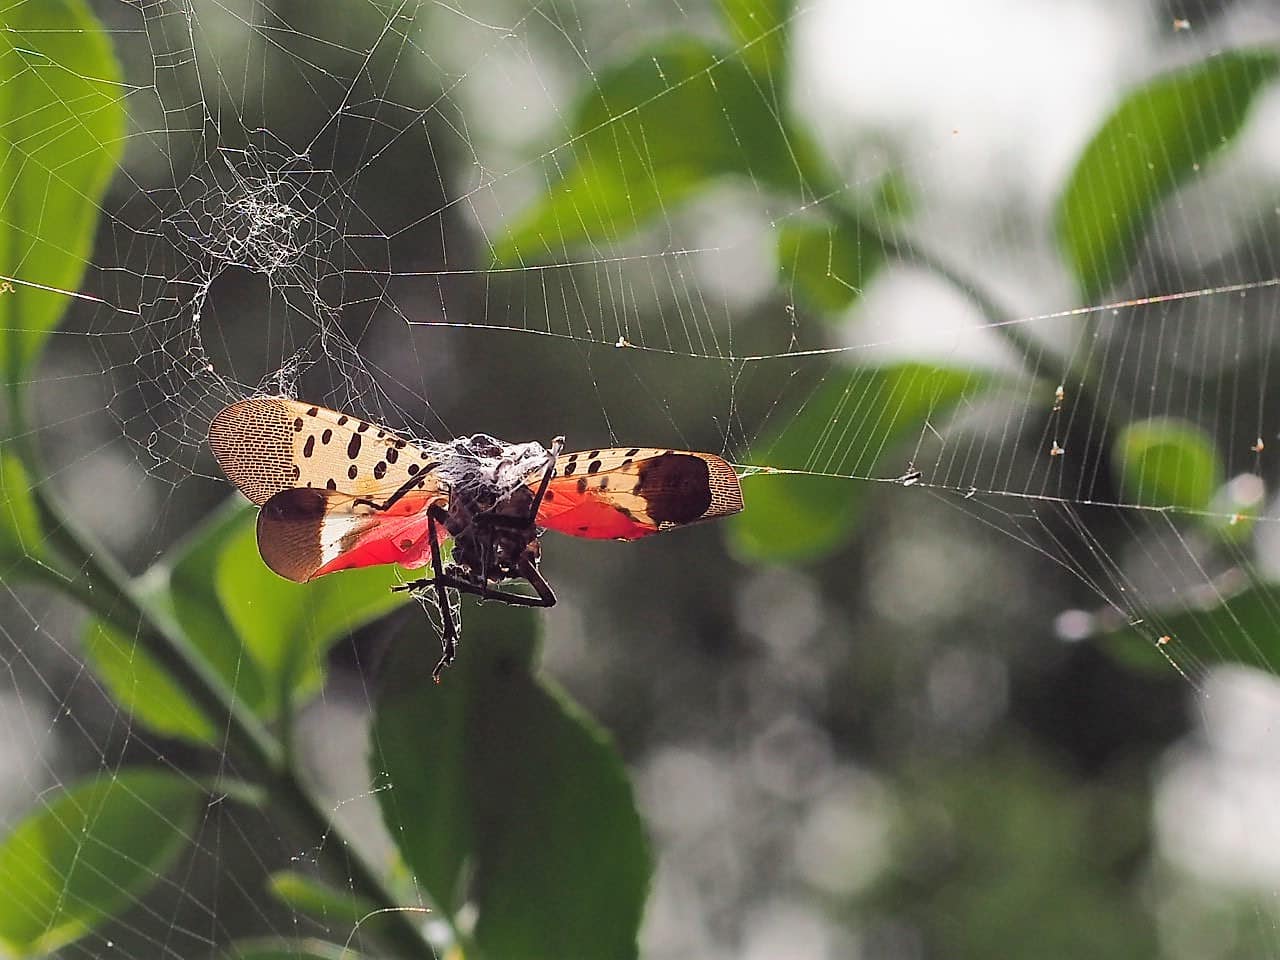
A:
x: 251, y: 243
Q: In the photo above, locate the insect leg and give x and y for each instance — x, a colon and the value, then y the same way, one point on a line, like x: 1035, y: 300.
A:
x: 449, y: 637
x: 553, y: 454
x: 545, y: 598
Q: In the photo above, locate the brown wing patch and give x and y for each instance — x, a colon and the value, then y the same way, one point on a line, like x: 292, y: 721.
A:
x: 289, y: 533
x: 268, y: 444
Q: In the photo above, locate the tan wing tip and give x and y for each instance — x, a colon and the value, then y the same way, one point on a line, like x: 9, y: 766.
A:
x: 252, y: 440
x: 726, y: 490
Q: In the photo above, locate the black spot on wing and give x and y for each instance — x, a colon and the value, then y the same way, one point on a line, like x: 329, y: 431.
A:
x: 351, y: 472
x: 326, y: 436
x: 380, y: 470
x: 675, y: 486
x: 353, y: 447
x: 309, y: 447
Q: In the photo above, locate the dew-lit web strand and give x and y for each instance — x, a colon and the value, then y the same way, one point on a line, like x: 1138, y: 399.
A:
x: 1240, y: 287
x: 1007, y: 436
x: 1064, y: 556
x: 60, y: 714
x: 421, y: 114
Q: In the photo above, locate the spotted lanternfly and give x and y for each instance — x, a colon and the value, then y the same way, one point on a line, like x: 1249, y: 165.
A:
x: 339, y: 492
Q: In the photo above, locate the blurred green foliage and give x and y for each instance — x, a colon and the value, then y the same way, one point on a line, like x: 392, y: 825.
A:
x: 501, y: 796
x: 864, y: 416
x: 1167, y: 462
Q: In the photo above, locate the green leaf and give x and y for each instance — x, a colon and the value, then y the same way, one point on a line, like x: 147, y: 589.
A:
x: 651, y: 132
x: 87, y: 854
x: 20, y: 534
x: 62, y: 125
x: 760, y: 27
x: 341, y: 908
x: 1165, y: 462
x: 856, y: 421
x: 270, y: 948
x: 287, y: 627
x: 825, y: 266
x: 515, y: 801
x: 191, y: 578
x: 183, y: 584
x: 1220, y: 627
x: 142, y: 687
x: 1158, y: 138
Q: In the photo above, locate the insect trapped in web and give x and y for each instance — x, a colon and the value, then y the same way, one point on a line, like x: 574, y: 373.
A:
x: 338, y: 492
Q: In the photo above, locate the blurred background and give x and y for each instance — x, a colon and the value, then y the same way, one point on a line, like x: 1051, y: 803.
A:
x: 885, y: 722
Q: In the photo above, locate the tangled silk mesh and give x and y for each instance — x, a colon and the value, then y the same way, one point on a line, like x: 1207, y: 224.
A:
x: 249, y: 246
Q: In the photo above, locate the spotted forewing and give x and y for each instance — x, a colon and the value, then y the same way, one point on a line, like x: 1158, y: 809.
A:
x: 268, y: 444
x: 630, y: 492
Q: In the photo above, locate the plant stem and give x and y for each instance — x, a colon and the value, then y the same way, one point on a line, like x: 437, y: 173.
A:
x: 101, y: 586
x: 1040, y: 359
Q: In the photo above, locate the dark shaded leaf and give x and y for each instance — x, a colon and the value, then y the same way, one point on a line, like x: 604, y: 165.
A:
x: 1158, y: 138
x: 651, y: 132
x: 86, y: 854
x: 857, y: 419
x: 501, y: 793
x: 61, y: 133
x: 1166, y: 462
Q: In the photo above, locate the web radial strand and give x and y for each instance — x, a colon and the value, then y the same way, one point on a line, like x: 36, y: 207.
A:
x: 845, y: 270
